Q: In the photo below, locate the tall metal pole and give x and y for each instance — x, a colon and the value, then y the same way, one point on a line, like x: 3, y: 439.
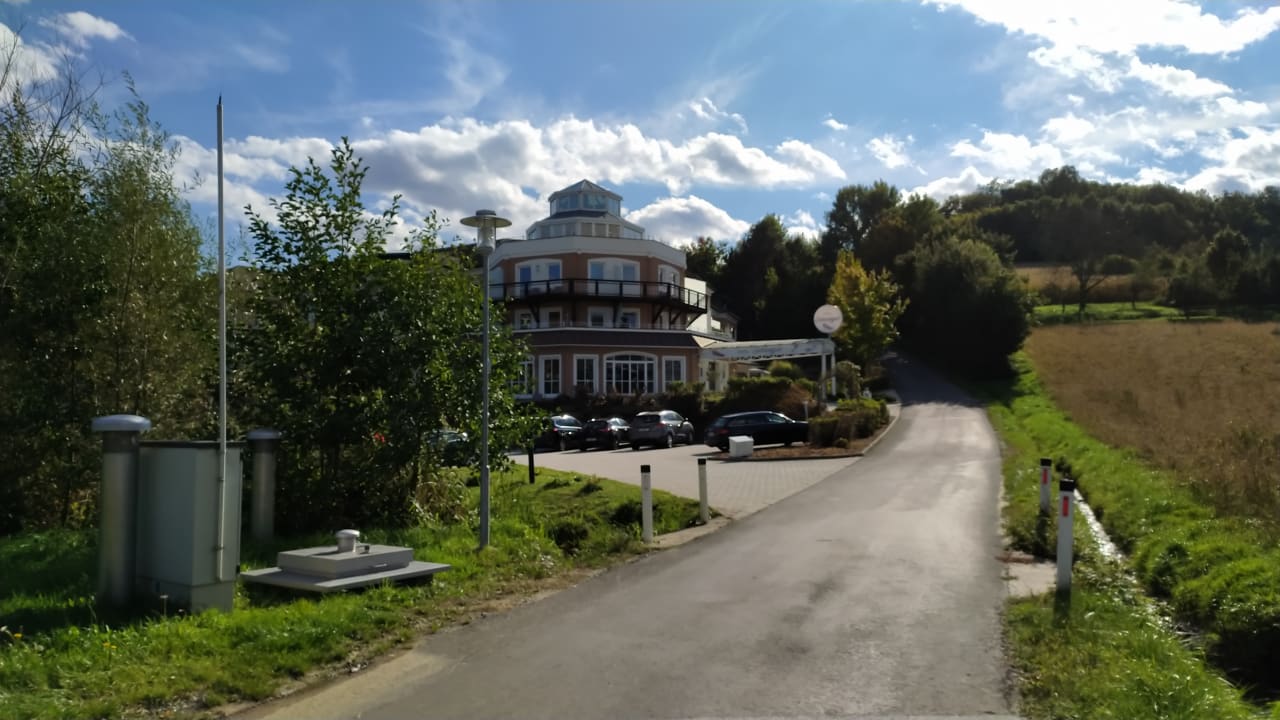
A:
x: 222, y: 364
x: 486, y: 223
x: 484, y: 404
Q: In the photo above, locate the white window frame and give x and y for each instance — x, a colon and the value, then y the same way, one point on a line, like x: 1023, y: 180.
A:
x: 595, y: 372
x: 543, y: 376
x: 627, y: 311
x: 608, y: 317
x: 631, y: 358
x: 666, y: 381
x: 547, y: 322
x: 522, y: 386
x: 524, y: 320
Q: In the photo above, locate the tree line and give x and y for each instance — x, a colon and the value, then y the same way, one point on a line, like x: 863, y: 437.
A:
x: 944, y: 272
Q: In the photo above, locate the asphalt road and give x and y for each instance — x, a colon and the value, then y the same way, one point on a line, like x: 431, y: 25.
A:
x: 873, y: 593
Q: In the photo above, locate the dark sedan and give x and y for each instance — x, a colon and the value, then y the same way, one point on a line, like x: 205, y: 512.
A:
x: 765, y: 428
x: 604, y: 433
x: 560, y: 432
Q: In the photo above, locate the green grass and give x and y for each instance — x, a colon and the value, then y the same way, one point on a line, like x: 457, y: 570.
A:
x: 1103, y: 312
x: 62, y: 657
x: 1107, y: 653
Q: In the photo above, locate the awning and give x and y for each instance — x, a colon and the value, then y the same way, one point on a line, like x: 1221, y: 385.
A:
x: 751, y: 350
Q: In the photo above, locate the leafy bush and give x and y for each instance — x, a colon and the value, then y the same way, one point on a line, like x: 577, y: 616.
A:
x: 967, y: 310
x: 627, y: 512
x: 842, y: 443
x: 822, y: 431
x: 785, y: 369
x: 568, y: 534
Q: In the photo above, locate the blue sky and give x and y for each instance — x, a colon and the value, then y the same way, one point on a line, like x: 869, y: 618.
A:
x: 705, y: 115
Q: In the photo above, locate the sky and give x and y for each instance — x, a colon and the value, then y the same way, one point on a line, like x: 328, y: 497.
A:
x: 704, y: 115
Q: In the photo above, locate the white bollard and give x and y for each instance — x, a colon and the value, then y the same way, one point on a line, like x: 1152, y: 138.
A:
x: 646, y: 506
x: 1067, y: 489
x: 703, y: 511
x: 1046, y: 473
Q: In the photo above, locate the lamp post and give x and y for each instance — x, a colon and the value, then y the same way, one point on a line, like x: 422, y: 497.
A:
x: 486, y: 223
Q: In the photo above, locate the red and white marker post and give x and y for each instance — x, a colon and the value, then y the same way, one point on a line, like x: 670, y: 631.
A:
x: 1046, y: 476
x: 1066, y: 522
x: 646, y: 506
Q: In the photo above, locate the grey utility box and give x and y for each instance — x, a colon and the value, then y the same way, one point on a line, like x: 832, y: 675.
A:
x: 182, y: 517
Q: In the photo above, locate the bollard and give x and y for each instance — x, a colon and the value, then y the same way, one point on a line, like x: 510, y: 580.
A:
x: 117, y: 526
x: 264, y: 442
x: 1046, y: 473
x: 531, y: 471
x: 1067, y: 489
x: 646, y: 506
x: 703, y: 511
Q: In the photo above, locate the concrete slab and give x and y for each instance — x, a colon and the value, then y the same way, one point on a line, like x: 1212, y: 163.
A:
x: 298, y: 581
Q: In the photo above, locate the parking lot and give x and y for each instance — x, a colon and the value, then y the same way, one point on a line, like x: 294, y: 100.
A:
x: 735, y: 488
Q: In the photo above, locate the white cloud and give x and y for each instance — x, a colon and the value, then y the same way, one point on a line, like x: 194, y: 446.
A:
x: 942, y: 188
x: 30, y: 62
x: 1109, y: 26
x: 1077, y: 62
x: 80, y: 27
x: 1176, y: 82
x: 835, y: 124
x: 1068, y: 129
x: 1243, y: 161
x: 890, y: 151
x: 679, y: 220
x: 801, y: 222
x: 456, y: 166
x: 705, y: 109
x: 1009, y: 155
x: 1152, y: 175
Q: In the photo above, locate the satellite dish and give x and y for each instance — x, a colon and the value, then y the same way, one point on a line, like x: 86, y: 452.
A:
x: 828, y: 319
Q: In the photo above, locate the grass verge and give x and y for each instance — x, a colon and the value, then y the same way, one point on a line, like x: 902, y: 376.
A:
x: 62, y: 657
x: 1107, y: 653
x: 1103, y: 312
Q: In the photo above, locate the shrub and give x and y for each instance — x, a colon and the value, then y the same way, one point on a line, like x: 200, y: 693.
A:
x: 568, y: 534
x: 627, y: 512
x: 822, y: 431
x: 842, y: 443
x: 785, y: 369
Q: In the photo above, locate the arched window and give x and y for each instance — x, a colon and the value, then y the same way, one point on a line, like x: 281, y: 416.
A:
x: 630, y: 373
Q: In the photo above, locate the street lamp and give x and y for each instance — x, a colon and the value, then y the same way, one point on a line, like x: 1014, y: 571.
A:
x: 486, y: 223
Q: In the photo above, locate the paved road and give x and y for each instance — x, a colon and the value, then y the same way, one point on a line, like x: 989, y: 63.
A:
x: 873, y: 593
x: 734, y: 488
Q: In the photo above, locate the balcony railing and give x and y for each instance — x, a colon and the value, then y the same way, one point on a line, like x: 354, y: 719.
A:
x: 566, y: 325
x: 568, y: 288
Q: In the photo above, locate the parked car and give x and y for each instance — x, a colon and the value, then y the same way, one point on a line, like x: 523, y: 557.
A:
x: 453, y: 447
x: 764, y: 427
x: 604, y: 432
x: 660, y: 428
x: 559, y: 432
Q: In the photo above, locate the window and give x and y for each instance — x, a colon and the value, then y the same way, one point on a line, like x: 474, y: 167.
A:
x: 551, y: 317
x: 523, y: 383
x: 598, y: 317
x: 672, y: 370
x: 551, y: 375
x: 584, y: 372
x: 524, y: 320
x: 629, y: 374
x: 613, y: 230
x: 629, y: 319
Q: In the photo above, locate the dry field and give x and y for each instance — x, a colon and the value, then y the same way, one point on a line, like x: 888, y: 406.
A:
x: 1200, y: 398
x: 1056, y: 284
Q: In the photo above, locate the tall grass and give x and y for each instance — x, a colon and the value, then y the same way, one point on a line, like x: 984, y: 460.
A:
x: 1104, y: 652
x: 1199, y: 399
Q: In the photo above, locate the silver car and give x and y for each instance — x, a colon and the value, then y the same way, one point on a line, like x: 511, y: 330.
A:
x: 660, y: 428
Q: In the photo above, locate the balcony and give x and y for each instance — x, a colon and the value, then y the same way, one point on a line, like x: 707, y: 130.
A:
x: 531, y: 327
x: 661, y: 293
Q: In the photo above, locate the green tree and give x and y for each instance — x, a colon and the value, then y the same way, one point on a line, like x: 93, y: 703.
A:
x: 771, y: 281
x: 358, y: 357
x: 871, y: 306
x: 854, y: 212
x: 967, y: 309
x: 1225, y: 257
x: 704, y: 259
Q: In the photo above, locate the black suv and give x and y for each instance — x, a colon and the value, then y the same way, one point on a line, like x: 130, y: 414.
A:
x: 559, y: 432
x: 764, y: 428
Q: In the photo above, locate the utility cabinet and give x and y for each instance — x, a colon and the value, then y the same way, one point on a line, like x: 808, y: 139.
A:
x: 183, y: 513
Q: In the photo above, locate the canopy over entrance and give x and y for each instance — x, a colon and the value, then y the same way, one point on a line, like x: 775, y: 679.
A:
x: 753, y: 350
